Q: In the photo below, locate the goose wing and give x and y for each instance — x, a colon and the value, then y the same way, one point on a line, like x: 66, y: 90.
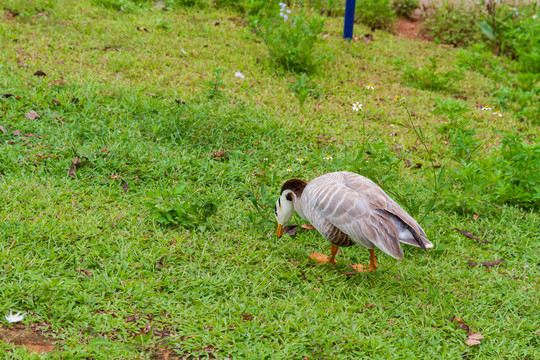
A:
x: 362, y: 210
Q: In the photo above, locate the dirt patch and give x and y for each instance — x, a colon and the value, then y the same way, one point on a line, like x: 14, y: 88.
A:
x: 409, y: 29
x: 32, y: 340
x: 10, y: 14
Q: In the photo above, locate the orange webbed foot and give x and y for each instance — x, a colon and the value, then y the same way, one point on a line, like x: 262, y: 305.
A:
x: 362, y: 268
x: 321, y: 258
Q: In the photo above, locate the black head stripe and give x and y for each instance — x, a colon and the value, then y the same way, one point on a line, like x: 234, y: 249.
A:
x: 296, y: 185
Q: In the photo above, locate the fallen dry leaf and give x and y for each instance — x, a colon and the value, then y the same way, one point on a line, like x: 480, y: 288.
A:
x: 476, y: 217
x: 5, y: 96
x: 124, y: 185
x: 487, y: 264
x: 368, y: 38
x: 290, y: 229
x: 58, y: 82
x: 471, y: 236
x: 473, y: 338
x: 40, y: 73
x: 247, y: 317
x: 476, y: 336
x: 115, y: 176
x: 2, y: 129
x: 76, y: 164
x: 32, y: 135
x: 85, y: 272
x: 472, y: 342
x: 16, y: 133
x: 32, y: 115
x: 306, y: 226
x: 220, y: 154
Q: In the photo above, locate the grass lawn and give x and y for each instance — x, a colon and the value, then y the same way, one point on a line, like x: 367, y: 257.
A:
x: 126, y: 116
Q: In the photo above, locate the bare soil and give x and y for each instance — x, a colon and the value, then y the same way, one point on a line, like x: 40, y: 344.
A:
x: 31, y: 339
x: 409, y: 29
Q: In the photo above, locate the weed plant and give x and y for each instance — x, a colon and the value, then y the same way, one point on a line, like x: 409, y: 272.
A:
x: 453, y: 23
x: 508, y: 176
x: 405, y: 8
x: 191, y: 212
x: 291, y: 40
x: 376, y: 14
x: 431, y: 78
x: 305, y: 87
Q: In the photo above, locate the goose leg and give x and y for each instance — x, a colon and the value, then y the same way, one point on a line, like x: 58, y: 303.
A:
x: 372, y: 263
x: 333, y: 250
x: 321, y: 258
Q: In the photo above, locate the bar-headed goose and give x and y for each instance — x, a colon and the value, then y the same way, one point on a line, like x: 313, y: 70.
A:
x: 349, y: 209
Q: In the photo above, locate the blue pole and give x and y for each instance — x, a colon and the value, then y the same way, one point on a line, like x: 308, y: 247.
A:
x: 350, y: 6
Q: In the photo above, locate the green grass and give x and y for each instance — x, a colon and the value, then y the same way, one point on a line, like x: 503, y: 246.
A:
x: 195, y: 284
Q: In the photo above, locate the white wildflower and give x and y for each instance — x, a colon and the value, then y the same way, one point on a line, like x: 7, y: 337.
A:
x: 356, y: 106
x: 299, y: 159
x: 239, y: 75
x: 370, y: 86
x: 498, y: 113
x: 328, y: 157
x: 289, y: 169
x: 485, y: 108
x: 12, y: 318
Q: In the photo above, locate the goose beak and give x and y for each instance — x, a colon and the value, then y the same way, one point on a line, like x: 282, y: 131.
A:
x: 279, y: 230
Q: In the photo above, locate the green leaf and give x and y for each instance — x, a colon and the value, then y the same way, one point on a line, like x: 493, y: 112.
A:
x: 487, y: 30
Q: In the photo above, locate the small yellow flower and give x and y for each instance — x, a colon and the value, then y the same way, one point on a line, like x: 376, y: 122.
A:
x: 397, y: 97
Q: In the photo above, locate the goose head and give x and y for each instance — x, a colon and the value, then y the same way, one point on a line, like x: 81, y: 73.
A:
x: 291, y: 192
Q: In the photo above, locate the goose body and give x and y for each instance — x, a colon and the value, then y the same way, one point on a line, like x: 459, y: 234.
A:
x: 349, y: 209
